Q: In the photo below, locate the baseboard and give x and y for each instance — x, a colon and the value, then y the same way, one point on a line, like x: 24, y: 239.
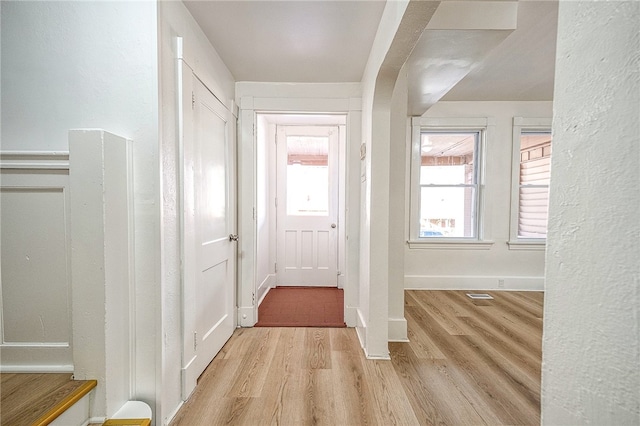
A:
x: 468, y: 282
x: 36, y: 369
x: 264, y: 287
x: 361, y: 328
x: 246, y: 316
x: 169, y: 418
x: 351, y: 316
x: 398, y: 330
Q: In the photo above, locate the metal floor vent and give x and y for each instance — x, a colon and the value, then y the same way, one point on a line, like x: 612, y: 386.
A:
x: 479, y: 296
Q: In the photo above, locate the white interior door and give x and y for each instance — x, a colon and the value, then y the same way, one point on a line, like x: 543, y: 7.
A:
x: 307, y: 206
x: 209, y: 219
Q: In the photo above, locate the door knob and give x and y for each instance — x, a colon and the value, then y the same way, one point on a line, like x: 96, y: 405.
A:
x: 233, y: 237
x: 333, y: 225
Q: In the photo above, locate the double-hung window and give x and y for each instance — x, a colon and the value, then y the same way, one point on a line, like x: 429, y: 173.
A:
x: 530, y: 182
x: 446, y: 181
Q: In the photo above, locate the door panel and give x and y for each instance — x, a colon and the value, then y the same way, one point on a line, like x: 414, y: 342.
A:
x: 209, y: 218
x: 307, y: 174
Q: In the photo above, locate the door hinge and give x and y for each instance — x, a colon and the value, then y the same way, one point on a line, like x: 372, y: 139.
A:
x: 254, y: 213
x: 193, y: 100
x: 253, y: 298
x: 275, y: 267
x: 195, y: 340
x: 276, y: 201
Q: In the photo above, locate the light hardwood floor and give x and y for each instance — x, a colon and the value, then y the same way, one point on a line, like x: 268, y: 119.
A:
x: 36, y: 398
x: 467, y: 363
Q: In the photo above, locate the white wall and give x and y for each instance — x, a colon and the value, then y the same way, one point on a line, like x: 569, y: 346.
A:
x: 475, y: 268
x: 175, y: 21
x: 591, y: 339
x: 397, y: 185
x: 35, y: 294
x: 265, y: 206
x: 372, y: 336
x: 72, y: 65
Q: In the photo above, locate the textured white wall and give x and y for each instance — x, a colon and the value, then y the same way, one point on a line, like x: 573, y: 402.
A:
x: 591, y: 344
x: 480, y: 269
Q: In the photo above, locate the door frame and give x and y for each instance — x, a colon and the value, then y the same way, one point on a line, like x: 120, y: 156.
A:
x: 349, y: 194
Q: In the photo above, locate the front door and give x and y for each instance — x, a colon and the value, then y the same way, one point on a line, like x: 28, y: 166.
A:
x: 209, y: 219
x: 307, y: 206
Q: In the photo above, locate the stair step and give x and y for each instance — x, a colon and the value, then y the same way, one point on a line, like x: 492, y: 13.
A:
x: 127, y: 422
x: 39, y: 398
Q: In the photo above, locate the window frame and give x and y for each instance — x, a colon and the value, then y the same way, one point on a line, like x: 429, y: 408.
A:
x: 523, y: 125
x: 483, y: 126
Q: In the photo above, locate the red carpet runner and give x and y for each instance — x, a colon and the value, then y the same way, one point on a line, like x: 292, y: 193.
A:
x: 302, y: 307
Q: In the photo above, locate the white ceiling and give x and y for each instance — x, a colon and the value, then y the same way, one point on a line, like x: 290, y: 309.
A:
x: 329, y: 41
x: 291, y: 41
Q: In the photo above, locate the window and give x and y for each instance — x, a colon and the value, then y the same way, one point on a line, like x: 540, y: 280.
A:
x: 446, y: 176
x: 530, y: 178
x: 448, y: 184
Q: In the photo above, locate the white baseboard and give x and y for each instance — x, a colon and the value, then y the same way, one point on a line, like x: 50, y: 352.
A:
x: 246, y: 316
x: 264, y: 287
x: 468, y: 282
x: 167, y: 419
x: 398, y: 330
x: 361, y: 328
x: 351, y: 316
x: 36, y: 369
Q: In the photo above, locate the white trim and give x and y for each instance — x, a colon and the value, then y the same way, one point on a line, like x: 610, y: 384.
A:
x: 398, y: 330
x: 361, y: 328
x: 11, y: 368
x: 521, y: 124
x: 34, y: 160
x: 450, y: 244
x: 485, y: 127
x: 245, y: 316
x: 350, y: 316
x: 267, y: 284
x: 528, y: 244
x: 167, y: 419
x: 469, y: 282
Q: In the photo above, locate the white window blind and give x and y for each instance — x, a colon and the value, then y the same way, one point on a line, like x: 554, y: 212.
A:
x: 535, y: 173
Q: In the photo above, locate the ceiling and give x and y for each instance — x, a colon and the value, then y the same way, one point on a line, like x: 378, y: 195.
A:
x: 291, y: 41
x: 329, y: 41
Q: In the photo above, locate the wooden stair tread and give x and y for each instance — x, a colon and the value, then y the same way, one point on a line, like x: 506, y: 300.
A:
x: 127, y: 422
x: 37, y: 399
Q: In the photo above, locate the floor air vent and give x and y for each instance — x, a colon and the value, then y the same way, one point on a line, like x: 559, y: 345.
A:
x: 479, y: 296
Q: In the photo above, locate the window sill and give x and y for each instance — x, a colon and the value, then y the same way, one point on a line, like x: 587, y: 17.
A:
x: 532, y: 245
x: 451, y: 244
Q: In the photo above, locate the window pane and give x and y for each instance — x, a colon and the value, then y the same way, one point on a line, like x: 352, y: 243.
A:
x: 447, y: 212
x: 307, y: 175
x: 535, y: 173
x: 447, y: 158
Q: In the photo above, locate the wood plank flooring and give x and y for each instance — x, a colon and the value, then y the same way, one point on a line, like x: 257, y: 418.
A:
x: 26, y: 398
x: 468, y: 362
